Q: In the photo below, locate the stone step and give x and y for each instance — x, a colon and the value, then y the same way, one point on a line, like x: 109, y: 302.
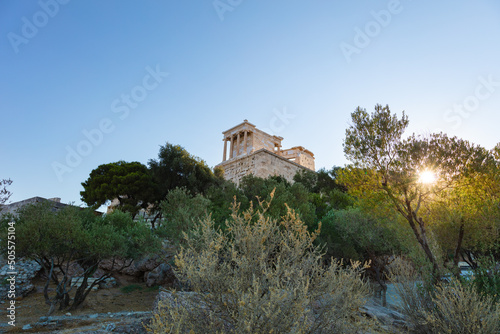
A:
x: 77, y: 282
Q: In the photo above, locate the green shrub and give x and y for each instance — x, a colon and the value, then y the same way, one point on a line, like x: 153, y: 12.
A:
x: 486, y: 278
x: 261, y: 275
x: 153, y: 288
x: 130, y: 288
x: 181, y: 211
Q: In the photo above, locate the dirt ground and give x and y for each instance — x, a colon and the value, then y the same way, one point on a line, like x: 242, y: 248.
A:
x: 128, y: 296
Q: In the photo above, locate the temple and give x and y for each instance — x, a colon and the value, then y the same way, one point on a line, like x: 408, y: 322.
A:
x: 248, y: 150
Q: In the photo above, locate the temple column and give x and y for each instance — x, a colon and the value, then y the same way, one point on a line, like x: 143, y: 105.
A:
x: 225, y: 149
x: 237, y: 144
x: 245, y: 145
x: 253, y: 139
x: 232, y: 148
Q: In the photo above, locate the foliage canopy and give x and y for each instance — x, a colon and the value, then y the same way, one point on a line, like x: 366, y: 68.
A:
x: 128, y: 182
x: 385, y: 164
x: 56, y: 239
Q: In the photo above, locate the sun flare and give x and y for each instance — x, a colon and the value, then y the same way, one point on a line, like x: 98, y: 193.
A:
x: 427, y: 177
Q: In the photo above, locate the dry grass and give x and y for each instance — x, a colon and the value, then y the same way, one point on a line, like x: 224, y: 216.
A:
x: 448, y: 307
x: 461, y: 309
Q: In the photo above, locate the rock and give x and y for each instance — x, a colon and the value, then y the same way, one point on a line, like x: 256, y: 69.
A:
x: 141, y: 266
x: 191, y: 301
x: 25, y: 272
x: 99, y: 273
x: 185, y: 298
x: 27, y: 327
x: 121, y: 322
x: 108, y: 283
x: 75, y: 270
x: 136, y: 269
x: 110, y: 327
x: 23, y: 289
x: 153, y: 270
x: 387, y: 316
x: 161, y: 275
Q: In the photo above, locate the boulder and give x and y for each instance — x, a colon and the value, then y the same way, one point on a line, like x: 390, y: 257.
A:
x: 153, y: 270
x: 390, y: 319
x: 108, y: 283
x: 99, y: 273
x: 75, y: 270
x: 161, y: 275
x: 25, y: 271
x: 139, y: 267
x: 175, y: 299
x: 136, y: 269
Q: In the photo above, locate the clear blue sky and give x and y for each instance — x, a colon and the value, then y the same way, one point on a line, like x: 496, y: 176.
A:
x: 133, y: 75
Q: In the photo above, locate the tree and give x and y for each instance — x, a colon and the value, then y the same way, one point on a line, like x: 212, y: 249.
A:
x: 128, y: 182
x: 328, y: 180
x: 221, y: 196
x: 286, y: 195
x: 55, y: 239
x: 4, y: 193
x: 467, y: 218
x: 388, y: 165
x: 354, y: 234
x: 309, y: 179
x: 180, y: 212
x: 327, y: 193
x: 177, y: 168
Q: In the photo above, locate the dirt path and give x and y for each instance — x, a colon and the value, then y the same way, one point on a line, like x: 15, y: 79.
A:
x: 129, y: 297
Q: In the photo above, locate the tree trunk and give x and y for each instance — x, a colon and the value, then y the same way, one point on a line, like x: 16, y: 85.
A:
x: 84, y: 289
x: 422, y: 240
x: 80, y: 294
x: 457, y: 250
x: 378, y: 267
x: 48, y: 272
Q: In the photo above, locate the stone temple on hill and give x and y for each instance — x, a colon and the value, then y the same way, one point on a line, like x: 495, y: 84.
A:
x: 248, y: 150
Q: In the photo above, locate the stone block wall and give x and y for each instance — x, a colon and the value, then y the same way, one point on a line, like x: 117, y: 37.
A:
x: 261, y: 163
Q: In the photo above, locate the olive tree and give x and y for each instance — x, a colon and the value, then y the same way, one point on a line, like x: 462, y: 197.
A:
x: 466, y: 218
x: 388, y: 165
x: 56, y: 239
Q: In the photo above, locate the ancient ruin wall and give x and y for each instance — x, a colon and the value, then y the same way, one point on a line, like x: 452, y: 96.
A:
x: 261, y: 163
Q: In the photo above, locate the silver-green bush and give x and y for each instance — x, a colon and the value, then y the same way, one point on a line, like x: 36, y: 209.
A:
x: 461, y: 309
x: 448, y: 307
x: 261, y: 275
